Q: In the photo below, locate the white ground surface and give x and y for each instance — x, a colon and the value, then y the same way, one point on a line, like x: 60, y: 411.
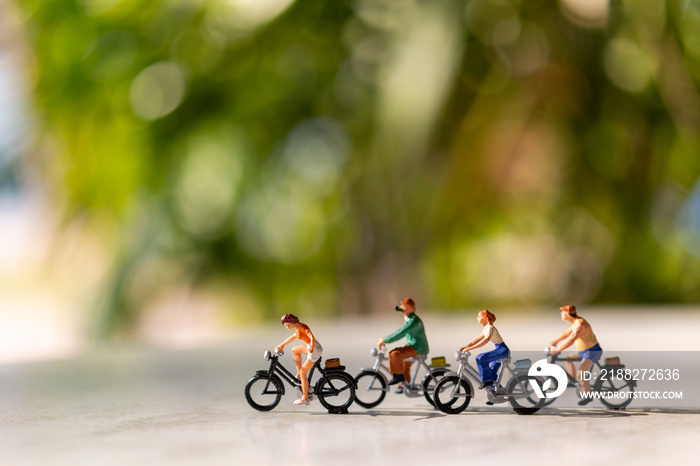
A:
x: 142, y: 406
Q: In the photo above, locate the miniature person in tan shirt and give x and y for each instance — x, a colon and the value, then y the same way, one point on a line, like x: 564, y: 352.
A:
x: 581, y: 334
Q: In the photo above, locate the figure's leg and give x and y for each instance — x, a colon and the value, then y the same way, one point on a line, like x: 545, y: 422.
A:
x: 493, y: 367
x: 297, y: 351
x: 396, y: 365
x: 585, y: 366
x: 482, y: 366
x: 569, y: 366
x: 395, y: 361
x: 396, y: 357
x: 482, y: 361
x: 305, y: 379
x: 409, y: 352
x: 488, y: 365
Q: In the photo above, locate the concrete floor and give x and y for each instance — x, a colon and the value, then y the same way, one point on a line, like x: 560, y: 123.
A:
x: 119, y: 406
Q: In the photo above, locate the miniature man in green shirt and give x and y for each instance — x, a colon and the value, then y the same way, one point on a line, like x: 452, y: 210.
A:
x: 416, y: 342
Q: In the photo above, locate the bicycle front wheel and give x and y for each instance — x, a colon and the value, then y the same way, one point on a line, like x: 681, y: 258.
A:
x: 264, y: 392
x: 336, y: 392
x: 452, y: 394
x: 522, y: 396
x: 371, y: 389
x: 615, y: 394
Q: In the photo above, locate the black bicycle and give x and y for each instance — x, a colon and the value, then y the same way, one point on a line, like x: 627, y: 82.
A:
x: 335, y: 388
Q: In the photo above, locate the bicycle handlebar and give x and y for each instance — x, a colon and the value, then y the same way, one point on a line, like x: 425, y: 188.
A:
x: 559, y: 356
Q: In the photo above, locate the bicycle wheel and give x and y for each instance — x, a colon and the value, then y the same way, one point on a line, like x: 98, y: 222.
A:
x: 553, y: 385
x: 371, y: 389
x: 429, y: 382
x: 521, y: 395
x: 264, y: 392
x: 615, y: 394
x: 335, y: 391
x: 452, y: 394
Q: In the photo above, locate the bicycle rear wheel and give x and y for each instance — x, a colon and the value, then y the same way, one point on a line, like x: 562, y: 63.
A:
x: 615, y: 394
x: 522, y: 396
x: 336, y: 392
x: 429, y: 382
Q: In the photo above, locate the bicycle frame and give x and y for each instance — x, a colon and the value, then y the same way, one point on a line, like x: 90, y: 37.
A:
x: 466, y: 371
x: 277, y: 369
x: 379, y: 365
x: 554, y: 358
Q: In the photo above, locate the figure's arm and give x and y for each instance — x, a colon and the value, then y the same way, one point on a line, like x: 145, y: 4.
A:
x: 577, y: 330
x: 281, y: 346
x: 561, y: 337
x: 471, y: 343
x: 312, y: 344
x: 477, y: 343
x: 400, y: 333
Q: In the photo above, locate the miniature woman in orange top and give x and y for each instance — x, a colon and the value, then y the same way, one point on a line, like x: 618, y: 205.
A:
x: 313, y: 351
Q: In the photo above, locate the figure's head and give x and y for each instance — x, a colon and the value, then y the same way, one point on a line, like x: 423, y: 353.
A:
x: 289, y: 320
x: 568, y: 311
x: 485, y: 317
x: 408, y: 306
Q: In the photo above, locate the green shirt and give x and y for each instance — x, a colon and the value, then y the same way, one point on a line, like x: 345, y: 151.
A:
x: 414, y: 332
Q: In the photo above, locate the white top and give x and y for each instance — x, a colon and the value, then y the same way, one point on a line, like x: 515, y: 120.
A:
x: 491, y: 331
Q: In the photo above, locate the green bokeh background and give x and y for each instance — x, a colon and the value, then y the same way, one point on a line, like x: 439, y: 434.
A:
x: 327, y: 157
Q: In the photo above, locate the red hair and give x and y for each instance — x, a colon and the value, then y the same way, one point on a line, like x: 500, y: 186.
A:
x: 490, y: 317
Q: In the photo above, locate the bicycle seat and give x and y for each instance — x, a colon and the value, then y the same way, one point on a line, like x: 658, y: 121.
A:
x: 504, y: 361
x: 417, y: 358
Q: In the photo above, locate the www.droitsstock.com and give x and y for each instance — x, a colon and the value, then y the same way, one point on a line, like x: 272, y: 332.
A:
x: 650, y: 395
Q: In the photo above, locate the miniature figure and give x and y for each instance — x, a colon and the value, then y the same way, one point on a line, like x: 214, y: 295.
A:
x: 416, y: 342
x: 589, y: 351
x: 334, y: 387
x: 488, y: 362
x: 312, y: 349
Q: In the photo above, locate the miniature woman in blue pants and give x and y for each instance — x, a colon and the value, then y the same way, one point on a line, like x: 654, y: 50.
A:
x: 488, y: 362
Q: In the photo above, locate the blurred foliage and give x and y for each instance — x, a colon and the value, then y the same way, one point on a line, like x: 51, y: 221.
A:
x: 333, y: 156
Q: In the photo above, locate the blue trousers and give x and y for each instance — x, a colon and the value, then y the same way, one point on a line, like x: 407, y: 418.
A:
x: 487, y: 362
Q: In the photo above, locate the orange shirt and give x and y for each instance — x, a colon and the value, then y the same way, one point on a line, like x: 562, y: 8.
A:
x: 304, y: 334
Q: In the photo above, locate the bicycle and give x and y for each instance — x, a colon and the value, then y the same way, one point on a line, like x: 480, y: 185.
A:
x: 454, y: 391
x: 603, y: 384
x: 335, y: 388
x: 373, y: 385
